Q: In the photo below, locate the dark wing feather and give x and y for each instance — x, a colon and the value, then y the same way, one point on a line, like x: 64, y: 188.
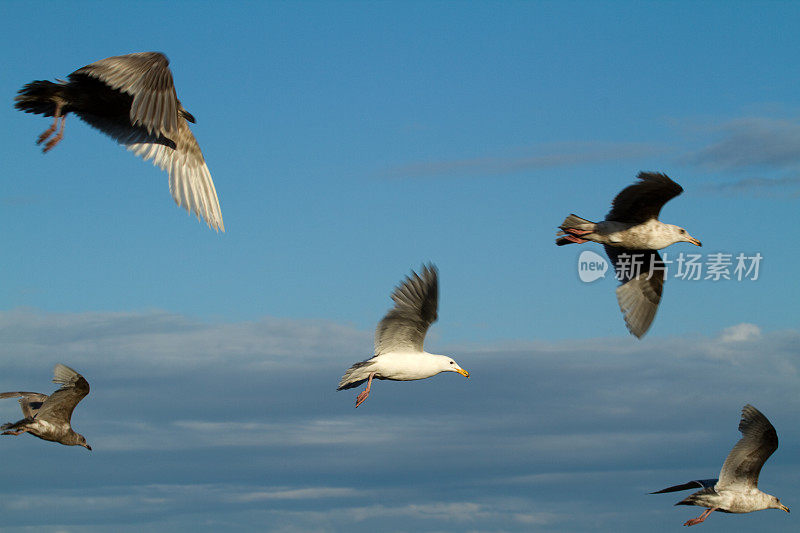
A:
x: 190, y: 181
x: 416, y: 300
x: 642, y: 282
x: 696, y: 484
x: 59, y: 406
x: 121, y: 130
x: 643, y: 200
x: 147, y: 78
x: 30, y: 402
x: 759, y: 441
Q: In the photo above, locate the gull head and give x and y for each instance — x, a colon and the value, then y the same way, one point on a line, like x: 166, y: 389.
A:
x: 775, y: 503
x: 451, y: 366
x: 679, y: 234
x: 81, y: 441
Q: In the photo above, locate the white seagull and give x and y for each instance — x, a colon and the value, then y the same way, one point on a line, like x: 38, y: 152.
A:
x: 48, y: 417
x: 631, y: 233
x: 132, y: 99
x: 736, y: 490
x: 399, y: 354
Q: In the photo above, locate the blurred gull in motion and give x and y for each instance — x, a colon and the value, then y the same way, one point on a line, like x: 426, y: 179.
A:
x: 631, y: 234
x: 48, y: 417
x: 132, y: 99
x: 736, y: 490
x: 399, y: 337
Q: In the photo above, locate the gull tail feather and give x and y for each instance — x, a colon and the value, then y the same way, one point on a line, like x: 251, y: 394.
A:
x: 16, y: 425
x: 356, y: 375
x: 39, y: 97
x: 699, y: 498
x: 572, y: 228
x: 695, y: 484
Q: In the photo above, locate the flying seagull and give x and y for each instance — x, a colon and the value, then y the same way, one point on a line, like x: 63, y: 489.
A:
x: 736, y: 490
x: 48, y: 417
x: 631, y: 234
x: 399, y: 337
x: 131, y: 99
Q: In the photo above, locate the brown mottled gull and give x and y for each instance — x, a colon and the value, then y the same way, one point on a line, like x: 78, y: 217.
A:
x: 631, y: 233
x: 48, y: 417
x: 132, y: 99
x: 399, y: 337
x: 736, y: 490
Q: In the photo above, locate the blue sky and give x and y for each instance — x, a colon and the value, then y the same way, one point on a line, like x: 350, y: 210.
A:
x: 349, y: 143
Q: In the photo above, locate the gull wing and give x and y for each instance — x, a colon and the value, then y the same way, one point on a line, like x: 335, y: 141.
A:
x: 416, y: 301
x: 190, y: 181
x: 169, y: 143
x: 642, y: 283
x: 59, y: 406
x: 759, y: 441
x: 642, y: 201
x: 147, y: 78
x: 30, y: 402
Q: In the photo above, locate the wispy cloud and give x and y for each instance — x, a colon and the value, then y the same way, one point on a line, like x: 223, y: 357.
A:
x: 311, y: 493
x: 163, y: 340
x: 767, y: 187
x: 751, y: 142
x: 539, y: 157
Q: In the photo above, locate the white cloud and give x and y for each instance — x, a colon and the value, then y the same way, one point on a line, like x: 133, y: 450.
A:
x: 740, y: 333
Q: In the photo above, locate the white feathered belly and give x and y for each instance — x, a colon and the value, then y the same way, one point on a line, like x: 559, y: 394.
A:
x: 406, y: 367
x: 46, y: 430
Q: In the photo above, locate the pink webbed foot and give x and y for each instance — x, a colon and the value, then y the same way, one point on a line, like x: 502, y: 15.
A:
x: 47, y: 133
x: 52, y: 142
x: 362, y: 397
x: 573, y: 238
x: 701, y: 518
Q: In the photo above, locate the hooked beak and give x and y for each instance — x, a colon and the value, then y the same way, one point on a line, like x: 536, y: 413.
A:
x: 463, y: 372
x: 87, y: 447
x: 784, y: 508
x: 695, y: 241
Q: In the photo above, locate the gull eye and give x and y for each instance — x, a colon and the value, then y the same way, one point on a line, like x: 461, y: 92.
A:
x: 452, y: 362
x: 683, y: 231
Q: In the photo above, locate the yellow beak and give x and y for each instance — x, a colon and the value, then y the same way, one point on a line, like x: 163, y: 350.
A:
x: 784, y: 508
x: 463, y: 372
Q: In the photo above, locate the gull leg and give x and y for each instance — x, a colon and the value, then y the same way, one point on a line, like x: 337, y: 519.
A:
x: 574, y: 231
x: 54, y: 141
x: 700, y: 518
x: 573, y: 235
x: 49, y: 131
x: 361, y: 398
x: 573, y: 238
x: 14, y: 432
